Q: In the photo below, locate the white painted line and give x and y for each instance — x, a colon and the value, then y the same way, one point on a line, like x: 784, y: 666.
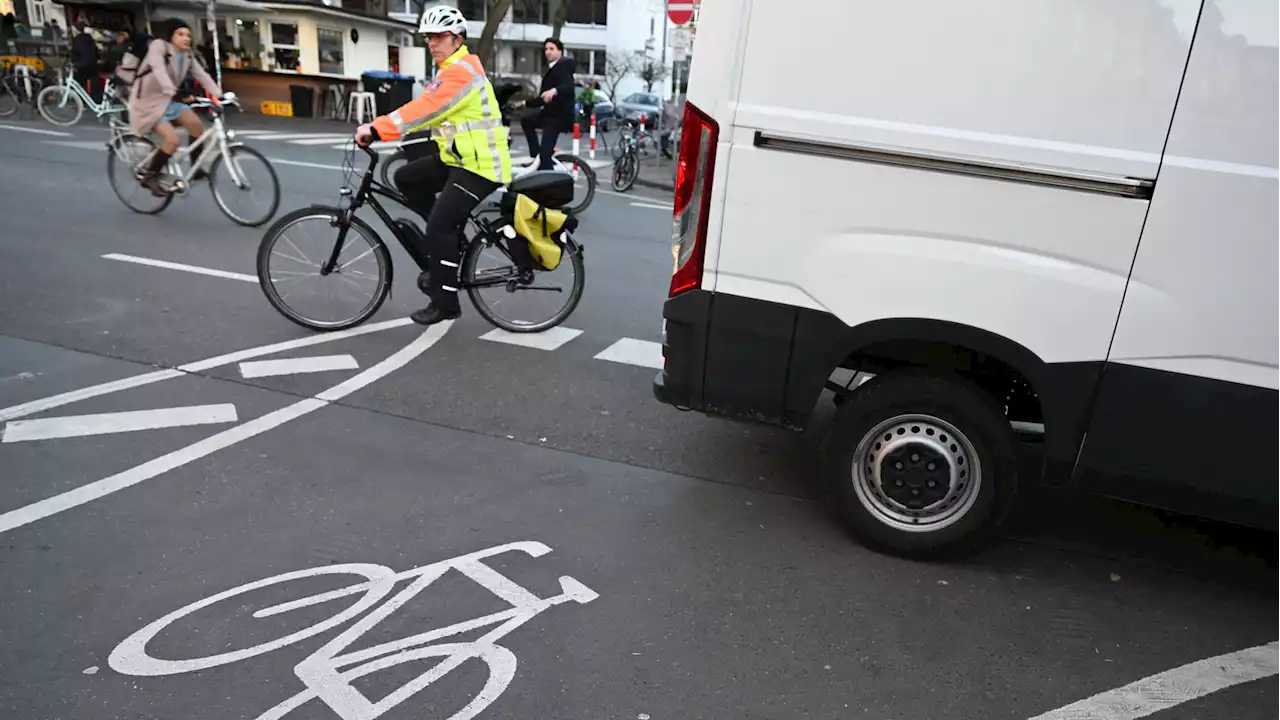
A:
x: 628, y: 195
x: 296, y: 366
x: 292, y: 137
x: 260, y: 133
x: 1173, y: 687
x: 38, y: 131
x: 66, y: 398
x: 655, y: 206
x: 320, y: 139
x: 550, y: 339
x: 77, y: 144
x: 179, y: 266
x: 117, y: 422
x: 106, y: 486
x: 282, y: 161
x: 630, y: 351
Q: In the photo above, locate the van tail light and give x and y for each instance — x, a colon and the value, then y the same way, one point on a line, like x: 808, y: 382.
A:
x: 692, y: 199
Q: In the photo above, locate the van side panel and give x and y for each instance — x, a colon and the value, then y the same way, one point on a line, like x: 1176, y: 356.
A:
x: 1186, y: 415
x: 1070, y: 90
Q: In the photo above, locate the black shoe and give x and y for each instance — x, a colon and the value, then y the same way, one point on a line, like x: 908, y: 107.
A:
x: 432, y: 314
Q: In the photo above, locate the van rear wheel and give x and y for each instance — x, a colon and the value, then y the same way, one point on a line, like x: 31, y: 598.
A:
x: 923, y: 464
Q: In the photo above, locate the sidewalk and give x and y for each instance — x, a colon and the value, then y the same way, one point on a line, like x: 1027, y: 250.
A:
x: 660, y: 176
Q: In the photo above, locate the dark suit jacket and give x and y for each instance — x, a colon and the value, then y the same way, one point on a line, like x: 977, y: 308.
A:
x: 560, y: 109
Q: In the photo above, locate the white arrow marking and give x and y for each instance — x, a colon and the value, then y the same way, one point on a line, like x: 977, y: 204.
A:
x: 106, y: 486
x: 117, y: 422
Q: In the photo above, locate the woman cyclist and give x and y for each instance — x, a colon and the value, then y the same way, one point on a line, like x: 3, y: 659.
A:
x: 153, y: 104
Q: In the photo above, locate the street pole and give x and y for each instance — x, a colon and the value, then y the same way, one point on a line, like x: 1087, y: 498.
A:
x: 217, y: 56
x: 662, y: 65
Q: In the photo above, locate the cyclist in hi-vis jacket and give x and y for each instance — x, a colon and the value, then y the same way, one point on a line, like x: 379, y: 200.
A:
x: 461, y: 111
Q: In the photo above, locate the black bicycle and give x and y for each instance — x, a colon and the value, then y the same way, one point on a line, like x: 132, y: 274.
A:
x: 357, y: 265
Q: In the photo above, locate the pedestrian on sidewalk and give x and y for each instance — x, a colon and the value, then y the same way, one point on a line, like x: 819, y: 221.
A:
x: 555, y: 102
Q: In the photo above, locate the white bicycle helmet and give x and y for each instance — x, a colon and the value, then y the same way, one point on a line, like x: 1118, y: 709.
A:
x: 443, y: 18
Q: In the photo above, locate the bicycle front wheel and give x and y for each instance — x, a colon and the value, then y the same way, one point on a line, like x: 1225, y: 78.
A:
x: 59, y: 105
x: 245, y: 186
x: 584, y: 181
x: 290, y: 258
x: 10, y: 98
x: 522, y: 301
x: 625, y: 170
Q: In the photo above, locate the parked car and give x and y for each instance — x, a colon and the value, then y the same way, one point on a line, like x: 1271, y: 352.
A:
x: 648, y: 104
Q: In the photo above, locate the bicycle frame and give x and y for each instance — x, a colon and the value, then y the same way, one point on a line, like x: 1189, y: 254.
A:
x: 368, y: 193
x: 106, y: 107
x: 218, y: 139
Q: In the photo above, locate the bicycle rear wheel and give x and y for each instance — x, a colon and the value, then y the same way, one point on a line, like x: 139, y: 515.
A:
x: 124, y: 158
x: 387, y: 173
x: 59, y: 105
x: 289, y: 262
x: 10, y: 98
x: 495, y: 289
x: 585, y: 175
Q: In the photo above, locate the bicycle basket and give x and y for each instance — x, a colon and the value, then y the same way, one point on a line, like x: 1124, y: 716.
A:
x: 542, y: 228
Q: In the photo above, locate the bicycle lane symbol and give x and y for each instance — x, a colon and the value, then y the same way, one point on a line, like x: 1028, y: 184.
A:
x: 321, y: 671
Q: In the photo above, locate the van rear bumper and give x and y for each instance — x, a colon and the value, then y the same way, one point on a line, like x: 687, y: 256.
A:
x: 735, y: 357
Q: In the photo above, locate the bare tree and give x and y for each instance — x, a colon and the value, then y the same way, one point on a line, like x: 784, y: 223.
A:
x: 495, y: 13
x: 617, y: 68
x: 651, y: 72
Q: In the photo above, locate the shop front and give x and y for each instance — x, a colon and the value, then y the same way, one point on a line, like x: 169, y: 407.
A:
x: 284, y: 57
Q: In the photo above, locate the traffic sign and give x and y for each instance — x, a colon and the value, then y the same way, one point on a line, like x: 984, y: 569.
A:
x: 680, y: 11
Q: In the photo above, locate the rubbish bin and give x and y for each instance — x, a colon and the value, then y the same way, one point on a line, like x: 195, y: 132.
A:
x: 390, y: 90
x: 303, y: 99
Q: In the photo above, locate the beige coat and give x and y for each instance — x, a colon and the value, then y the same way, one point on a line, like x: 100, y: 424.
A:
x: 151, y: 94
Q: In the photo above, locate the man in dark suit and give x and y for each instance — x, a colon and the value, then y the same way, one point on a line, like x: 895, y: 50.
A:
x: 555, y: 103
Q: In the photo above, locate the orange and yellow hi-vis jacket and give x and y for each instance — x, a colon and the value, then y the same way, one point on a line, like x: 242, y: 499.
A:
x: 461, y: 110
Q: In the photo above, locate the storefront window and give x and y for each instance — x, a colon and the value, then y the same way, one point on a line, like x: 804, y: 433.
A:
x: 284, y: 46
x: 330, y: 45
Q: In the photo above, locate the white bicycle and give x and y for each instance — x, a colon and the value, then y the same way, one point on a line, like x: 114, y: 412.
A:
x: 584, y: 176
x: 320, y: 672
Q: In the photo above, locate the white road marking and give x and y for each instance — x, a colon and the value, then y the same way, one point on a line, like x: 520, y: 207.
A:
x: 317, y: 140
x: 38, y: 131
x: 295, y: 366
x: 328, y: 673
x: 117, y: 422
x: 1173, y: 687
x: 655, y: 206
x: 547, y: 340
x: 66, y: 398
x: 106, y: 486
x: 630, y: 351
x: 179, y: 266
x: 282, y: 161
x: 77, y: 144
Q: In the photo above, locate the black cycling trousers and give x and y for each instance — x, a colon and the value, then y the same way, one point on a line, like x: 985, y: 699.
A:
x: 460, y: 191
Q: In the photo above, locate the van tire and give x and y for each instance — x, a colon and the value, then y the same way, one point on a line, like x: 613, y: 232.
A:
x: 958, y: 426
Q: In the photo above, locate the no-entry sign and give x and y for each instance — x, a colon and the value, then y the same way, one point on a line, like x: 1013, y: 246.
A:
x: 680, y: 11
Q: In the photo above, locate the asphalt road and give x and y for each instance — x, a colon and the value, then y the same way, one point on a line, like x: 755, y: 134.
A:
x: 661, y: 564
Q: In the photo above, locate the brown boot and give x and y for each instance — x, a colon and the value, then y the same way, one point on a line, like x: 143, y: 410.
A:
x: 151, y: 175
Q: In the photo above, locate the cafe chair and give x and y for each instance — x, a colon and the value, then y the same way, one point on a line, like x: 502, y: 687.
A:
x: 359, y: 104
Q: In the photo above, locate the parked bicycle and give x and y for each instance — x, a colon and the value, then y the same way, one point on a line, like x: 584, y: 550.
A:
x: 369, y: 282
x: 236, y: 172
x: 626, y: 165
x: 17, y: 89
x: 64, y: 104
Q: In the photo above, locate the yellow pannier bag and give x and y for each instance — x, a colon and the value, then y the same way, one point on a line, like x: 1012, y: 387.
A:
x: 543, y: 228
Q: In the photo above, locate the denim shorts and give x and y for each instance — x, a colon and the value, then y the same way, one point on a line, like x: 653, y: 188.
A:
x: 172, y: 112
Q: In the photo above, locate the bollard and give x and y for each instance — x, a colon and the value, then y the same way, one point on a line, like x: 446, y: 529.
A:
x: 591, y: 154
x: 577, y: 143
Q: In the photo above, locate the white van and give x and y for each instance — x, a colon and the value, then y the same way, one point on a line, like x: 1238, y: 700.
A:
x: 1048, y: 214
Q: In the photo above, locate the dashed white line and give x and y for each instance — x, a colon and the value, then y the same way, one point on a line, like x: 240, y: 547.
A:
x: 546, y: 340
x: 180, y: 266
x: 106, y: 486
x: 296, y: 366
x: 66, y: 398
x: 117, y: 422
x: 654, y: 206
x: 38, y: 131
x: 630, y: 351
